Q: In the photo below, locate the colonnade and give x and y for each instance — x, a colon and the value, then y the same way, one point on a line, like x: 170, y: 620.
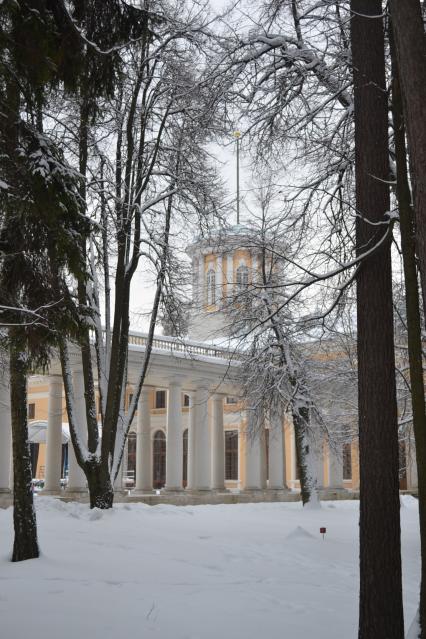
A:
x: 206, y: 444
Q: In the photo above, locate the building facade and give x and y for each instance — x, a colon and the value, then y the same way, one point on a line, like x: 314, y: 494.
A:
x: 190, y: 433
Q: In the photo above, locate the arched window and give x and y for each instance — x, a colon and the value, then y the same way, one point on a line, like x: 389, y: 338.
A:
x: 159, y: 459
x: 242, y: 277
x: 211, y: 287
x: 185, y: 459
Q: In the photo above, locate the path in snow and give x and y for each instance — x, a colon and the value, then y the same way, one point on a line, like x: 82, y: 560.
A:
x: 243, y: 571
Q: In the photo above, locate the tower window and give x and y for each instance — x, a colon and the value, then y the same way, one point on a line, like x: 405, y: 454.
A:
x: 211, y: 287
x: 242, y: 277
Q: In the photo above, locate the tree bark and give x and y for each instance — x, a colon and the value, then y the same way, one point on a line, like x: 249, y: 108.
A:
x: 307, y: 481
x: 101, y: 491
x: 406, y: 215
x: 380, y: 606
x: 410, y: 44
x: 25, y: 544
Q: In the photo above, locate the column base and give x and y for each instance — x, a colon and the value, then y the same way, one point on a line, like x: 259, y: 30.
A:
x: 51, y: 493
x: 76, y: 489
x: 332, y: 493
x: 5, y: 491
x: 197, y: 491
x: 255, y: 490
x: 172, y: 490
x: 140, y: 492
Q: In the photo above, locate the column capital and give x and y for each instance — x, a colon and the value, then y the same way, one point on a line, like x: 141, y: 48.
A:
x: 218, y: 396
x: 174, y: 381
x: 201, y: 383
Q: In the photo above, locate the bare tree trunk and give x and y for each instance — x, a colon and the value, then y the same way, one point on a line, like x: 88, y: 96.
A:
x: 380, y: 606
x: 307, y: 481
x: 25, y: 544
x: 410, y: 44
x: 406, y: 215
x: 101, y: 491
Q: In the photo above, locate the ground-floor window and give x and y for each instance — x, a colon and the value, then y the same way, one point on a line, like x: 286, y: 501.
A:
x: 231, y: 454
x: 64, y: 460
x: 159, y: 459
x: 185, y: 459
x: 347, y: 461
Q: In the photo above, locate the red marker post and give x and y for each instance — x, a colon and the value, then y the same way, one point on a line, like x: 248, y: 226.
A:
x: 323, y: 531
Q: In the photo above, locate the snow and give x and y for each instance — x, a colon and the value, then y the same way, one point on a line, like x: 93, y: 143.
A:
x: 241, y: 571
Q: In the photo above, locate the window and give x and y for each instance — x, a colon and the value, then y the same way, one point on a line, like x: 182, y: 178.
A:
x: 186, y: 400
x: 211, y: 287
x: 231, y: 400
x: 160, y: 399
x: 31, y: 411
x: 347, y: 461
x: 242, y: 277
x: 130, y: 399
x: 231, y: 454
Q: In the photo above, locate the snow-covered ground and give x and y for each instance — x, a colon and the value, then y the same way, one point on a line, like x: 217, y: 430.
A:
x: 248, y: 571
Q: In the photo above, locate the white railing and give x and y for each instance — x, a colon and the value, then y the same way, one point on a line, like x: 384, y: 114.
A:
x: 175, y: 345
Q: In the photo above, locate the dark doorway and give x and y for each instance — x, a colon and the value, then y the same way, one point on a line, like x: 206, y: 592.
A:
x: 159, y: 460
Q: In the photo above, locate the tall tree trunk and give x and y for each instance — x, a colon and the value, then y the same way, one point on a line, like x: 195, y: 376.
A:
x: 380, y: 606
x: 406, y: 215
x: 25, y: 544
x: 410, y: 44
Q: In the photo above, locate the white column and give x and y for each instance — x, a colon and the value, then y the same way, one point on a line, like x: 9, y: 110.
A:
x: 218, y: 445
x: 335, y: 467
x: 76, y: 477
x: 174, y: 449
x: 118, y: 483
x: 144, y: 443
x: 5, y: 432
x: 253, y: 460
x: 191, y: 444
x: 54, y: 437
x: 276, y: 455
x: 202, y: 440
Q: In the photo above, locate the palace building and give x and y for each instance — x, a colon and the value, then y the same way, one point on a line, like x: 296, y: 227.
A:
x: 189, y: 434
